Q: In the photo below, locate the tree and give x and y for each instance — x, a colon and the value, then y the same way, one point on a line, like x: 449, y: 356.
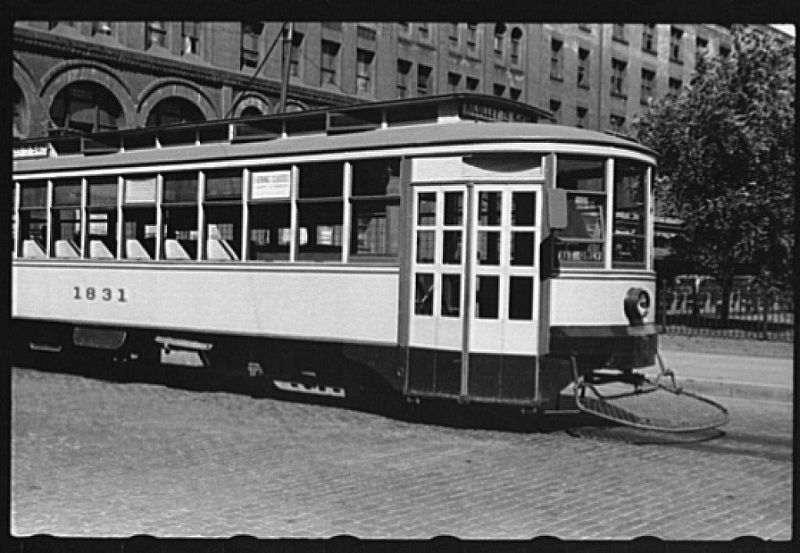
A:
x: 726, y: 167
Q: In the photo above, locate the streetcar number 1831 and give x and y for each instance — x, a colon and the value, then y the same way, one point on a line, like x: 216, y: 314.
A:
x: 99, y: 294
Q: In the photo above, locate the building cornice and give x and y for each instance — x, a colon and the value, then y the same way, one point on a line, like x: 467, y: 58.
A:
x: 121, y: 57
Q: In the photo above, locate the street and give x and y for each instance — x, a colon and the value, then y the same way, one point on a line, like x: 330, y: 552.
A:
x: 95, y: 458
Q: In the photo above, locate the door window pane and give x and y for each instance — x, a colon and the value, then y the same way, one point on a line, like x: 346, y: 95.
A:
x: 520, y: 298
x: 453, y: 208
x: 486, y: 297
x: 426, y: 209
x: 522, y: 248
x: 523, y: 209
x: 488, y: 249
x: 451, y: 253
x: 425, y: 246
x: 423, y: 294
x: 451, y: 295
x: 489, y: 208
x: 629, y: 213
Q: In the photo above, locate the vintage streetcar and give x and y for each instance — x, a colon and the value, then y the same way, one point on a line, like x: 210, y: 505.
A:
x: 451, y: 247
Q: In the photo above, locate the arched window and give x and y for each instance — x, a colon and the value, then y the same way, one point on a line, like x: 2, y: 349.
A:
x: 250, y: 111
x: 86, y: 107
x: 20, y: 127
x: 516, y: 41
x: 174, y: 110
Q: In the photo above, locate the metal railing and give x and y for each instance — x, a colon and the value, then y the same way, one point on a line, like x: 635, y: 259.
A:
x: 753, y: 312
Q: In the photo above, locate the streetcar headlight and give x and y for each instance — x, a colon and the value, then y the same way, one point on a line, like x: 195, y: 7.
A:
x: 637, y: 305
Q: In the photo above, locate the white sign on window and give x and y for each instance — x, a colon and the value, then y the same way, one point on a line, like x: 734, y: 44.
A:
x: 140, y: 190
x: 271, y: 185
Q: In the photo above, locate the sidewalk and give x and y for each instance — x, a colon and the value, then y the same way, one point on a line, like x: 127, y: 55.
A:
x: 735, y: 373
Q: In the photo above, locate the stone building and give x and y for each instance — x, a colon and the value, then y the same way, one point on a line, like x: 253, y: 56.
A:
x: 95, y: 75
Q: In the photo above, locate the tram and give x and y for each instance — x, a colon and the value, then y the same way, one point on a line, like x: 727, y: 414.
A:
x: 453, y: 247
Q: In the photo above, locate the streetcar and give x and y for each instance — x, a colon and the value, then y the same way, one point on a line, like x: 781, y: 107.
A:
x: 454, y: 247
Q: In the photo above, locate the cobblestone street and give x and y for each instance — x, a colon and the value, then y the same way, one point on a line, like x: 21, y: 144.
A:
x: 98, y: 458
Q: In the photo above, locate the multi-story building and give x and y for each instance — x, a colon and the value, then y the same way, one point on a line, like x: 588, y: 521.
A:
x: 99, y: 75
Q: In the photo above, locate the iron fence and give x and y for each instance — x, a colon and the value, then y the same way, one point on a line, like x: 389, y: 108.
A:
x: 693, y: 306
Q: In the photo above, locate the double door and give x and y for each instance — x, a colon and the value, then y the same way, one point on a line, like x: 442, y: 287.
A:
x: 475, y: 286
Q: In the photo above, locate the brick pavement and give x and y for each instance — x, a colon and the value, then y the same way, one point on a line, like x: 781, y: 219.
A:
x: 96, y: 458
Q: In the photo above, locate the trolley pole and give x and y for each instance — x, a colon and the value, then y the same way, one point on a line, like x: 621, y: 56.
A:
x: 286, y: 63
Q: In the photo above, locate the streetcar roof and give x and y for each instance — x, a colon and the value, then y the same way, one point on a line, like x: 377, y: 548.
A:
x: 449, y: 119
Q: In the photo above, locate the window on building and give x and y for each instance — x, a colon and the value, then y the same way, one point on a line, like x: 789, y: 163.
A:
x: 701, y: 47
x: 498, y: 89
x: 675, y: 86
x: 403, y: 27
x: 516, y: 45
x: 472, y: 38
x: 320, y: 211
x: 648, y: 82
x: 584, y: 75
x: 364, y: 59
x: 403, y: 71
x: 269, y: 235
x: 581, y: 116
x: 179, y: 216
x: 555, y: 109
x: 556, y: 60
x: 618, y: 32
x: 156, y: 34
x: 649, y: 38
x: 453, y: 82
x: 223, y: 215
x: 86, y: 107
x: 102, y: 28
x: 675, y: 43
x: 366, y: 33
x: 423, y: 80
x: 329, y: 64
x: 251, y: 38
x: 375, y: 202
x: 295, y: 54
x: 424, y: 31
x: 628, y: 246
x: 174, y: 110
x: 101, y: 214
x: 189, y: 37
x: 499, y: 40
x: 33, y: 219
x: 66, y: 218
x: 618, y: 77
x: 581, y: 243
x: 617, y: 122
x: 453, y: 35
x: 139, y: 218
x: 515, y: 93
x: 473, y: 84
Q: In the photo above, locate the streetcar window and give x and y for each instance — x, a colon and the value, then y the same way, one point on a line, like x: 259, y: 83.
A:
x: 270, y: 233
x: 489, y: 215
x: 487, y: 296
x: 489, y: 208
x: 520, y: 298
x: 139, y: 218
x: 522, y: 248
x: 33, y: 219
x: 375, y: 201
x: 66, y: 219
x: 423, y: 294
x: 523, y: 237
x: 223, y: 215
x: 426, y: 209
x: 425, y: 246
x: 320, y: 211
x: 581, y: 242
x: 629, y: 214
x: 179, y: 216
x: 101, y: 229
x: 488, y: 249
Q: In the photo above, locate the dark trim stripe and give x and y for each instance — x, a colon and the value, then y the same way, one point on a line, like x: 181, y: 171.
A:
x: 602, y: 331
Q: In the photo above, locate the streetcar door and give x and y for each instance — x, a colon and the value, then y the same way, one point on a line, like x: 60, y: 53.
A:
x: 502, y: 339
x: 436, y: 330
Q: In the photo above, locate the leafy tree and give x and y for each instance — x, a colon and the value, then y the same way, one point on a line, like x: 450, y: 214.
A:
x: 726, y: 146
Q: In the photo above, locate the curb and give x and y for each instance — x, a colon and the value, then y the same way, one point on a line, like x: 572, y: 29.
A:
x: 740, y: 390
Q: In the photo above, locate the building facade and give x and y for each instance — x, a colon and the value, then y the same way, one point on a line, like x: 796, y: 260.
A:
x: 96, y: 75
